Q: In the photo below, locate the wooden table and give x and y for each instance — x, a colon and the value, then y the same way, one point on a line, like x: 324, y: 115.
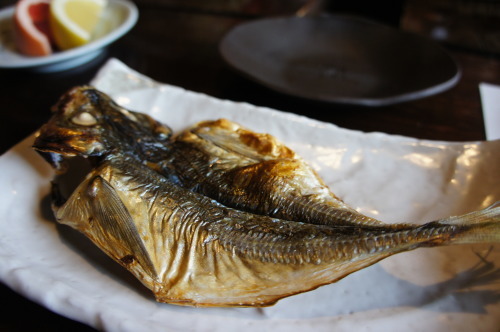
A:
x: 176, y: 42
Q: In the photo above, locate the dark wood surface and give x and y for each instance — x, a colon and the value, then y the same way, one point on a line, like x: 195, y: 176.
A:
x: 177, y: 42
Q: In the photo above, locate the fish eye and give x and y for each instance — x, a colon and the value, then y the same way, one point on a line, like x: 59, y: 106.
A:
x: 84, y: 119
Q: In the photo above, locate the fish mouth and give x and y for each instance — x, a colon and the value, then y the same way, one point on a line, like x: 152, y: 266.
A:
x: 55, y: 153
x: 44, y: 144
x: 66, y: 143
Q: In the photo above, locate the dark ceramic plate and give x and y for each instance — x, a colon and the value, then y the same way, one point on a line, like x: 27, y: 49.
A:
x: 339, y: 59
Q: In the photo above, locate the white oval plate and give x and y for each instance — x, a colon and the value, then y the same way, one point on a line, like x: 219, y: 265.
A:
x: 119, y: 17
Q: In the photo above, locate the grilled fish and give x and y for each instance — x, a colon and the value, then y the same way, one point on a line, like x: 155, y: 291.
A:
x: 190, y: 249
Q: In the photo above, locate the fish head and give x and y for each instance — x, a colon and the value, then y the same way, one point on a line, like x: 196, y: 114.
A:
x: 87, y: 122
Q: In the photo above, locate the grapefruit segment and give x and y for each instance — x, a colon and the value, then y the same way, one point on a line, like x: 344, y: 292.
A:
x: 31, y: 27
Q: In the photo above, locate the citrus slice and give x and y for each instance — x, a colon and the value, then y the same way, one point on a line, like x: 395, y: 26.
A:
x: 73, y: 21
x: 31, y: 27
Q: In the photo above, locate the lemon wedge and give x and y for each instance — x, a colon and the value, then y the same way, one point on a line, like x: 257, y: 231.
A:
x: 73, y: 21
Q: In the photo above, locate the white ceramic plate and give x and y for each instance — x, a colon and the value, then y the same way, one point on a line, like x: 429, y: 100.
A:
x: 392, y: 178
x: 119, y: 17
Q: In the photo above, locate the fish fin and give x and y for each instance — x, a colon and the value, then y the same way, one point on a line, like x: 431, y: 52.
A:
x: 478, y: 226
x: 115, y: 219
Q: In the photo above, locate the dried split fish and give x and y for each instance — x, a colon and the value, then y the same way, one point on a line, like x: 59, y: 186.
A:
x: 192, y: 250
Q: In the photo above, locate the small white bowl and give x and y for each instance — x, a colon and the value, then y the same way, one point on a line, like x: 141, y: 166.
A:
x: 119, y: 17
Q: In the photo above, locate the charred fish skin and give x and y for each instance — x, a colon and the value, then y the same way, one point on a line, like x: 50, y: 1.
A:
x: 88, y: 122
x: 191, y: 250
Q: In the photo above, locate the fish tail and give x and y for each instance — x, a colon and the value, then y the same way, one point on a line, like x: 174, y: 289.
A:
x: 481, y: 226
